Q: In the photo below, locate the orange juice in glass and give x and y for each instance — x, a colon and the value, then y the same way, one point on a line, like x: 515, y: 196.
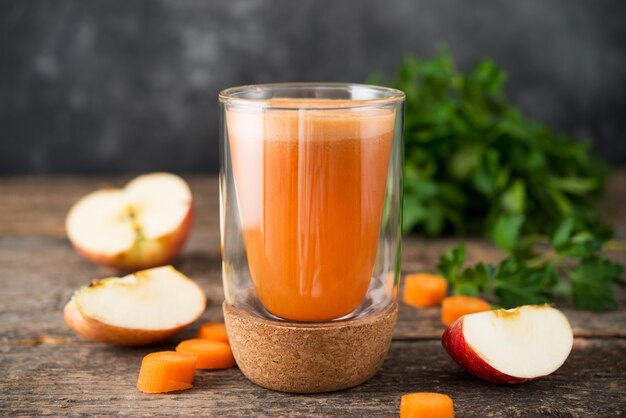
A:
x: 311, y: 177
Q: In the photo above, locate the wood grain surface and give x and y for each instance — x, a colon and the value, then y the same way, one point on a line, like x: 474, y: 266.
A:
x: 47, y: 370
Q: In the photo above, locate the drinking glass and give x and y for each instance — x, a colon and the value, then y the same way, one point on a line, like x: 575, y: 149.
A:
x: 310, y: 199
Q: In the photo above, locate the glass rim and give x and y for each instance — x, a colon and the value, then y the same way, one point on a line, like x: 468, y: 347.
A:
x: 381, y: 96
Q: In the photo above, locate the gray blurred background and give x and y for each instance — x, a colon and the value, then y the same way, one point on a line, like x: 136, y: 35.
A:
x: 90, y: 86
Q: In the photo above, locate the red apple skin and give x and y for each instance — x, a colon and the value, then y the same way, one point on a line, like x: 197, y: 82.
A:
x: 169, y: 246
x: 461, y: 352
x: 95, y: 330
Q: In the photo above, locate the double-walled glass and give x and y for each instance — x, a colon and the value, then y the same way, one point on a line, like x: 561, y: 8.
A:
x: 310, y: 195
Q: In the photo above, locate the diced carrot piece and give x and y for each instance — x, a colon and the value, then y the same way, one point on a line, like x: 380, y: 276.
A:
x: 426, y: 405
x: 214, y: 331
x: 210, y: 354
x: 454, y: 307
x: 424, y: 289
x: 166, y: 371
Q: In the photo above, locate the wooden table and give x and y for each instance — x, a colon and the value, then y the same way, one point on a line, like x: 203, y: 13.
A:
x: 46, y: 370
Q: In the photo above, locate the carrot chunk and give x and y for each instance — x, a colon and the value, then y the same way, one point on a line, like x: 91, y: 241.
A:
x: 454, y: 307
x: 423, y: 289
x: 210, y: 354
x: 426, y: 405
x: 214, y: 331
x: 166, y: 371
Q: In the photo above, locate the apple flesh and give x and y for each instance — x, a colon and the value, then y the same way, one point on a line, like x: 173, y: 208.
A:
x: 143, y: 225
x: 510, y: 346
x: 137, y: 309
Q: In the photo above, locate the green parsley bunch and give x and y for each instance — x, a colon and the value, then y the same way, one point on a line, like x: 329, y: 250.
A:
x: 474, y: 164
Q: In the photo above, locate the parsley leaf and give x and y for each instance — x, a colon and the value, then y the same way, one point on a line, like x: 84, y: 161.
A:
x: 592, y: 282
x: 530, y: 277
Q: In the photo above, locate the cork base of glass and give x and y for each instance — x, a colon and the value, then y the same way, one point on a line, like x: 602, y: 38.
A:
x: 309, y: 357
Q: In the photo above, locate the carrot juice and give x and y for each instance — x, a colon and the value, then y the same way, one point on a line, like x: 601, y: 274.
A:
x: 310, y: 186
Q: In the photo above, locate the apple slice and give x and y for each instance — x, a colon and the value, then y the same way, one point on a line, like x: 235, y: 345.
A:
x: 140, y: 226
x: 510, y: 346
x: 137, y: 309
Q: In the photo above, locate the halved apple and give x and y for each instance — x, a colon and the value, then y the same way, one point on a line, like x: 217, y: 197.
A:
x: 137, y: 309
x: 143, y: 225
x: 510, y: 346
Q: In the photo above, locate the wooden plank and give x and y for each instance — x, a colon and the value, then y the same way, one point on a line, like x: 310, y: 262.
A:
x: 25, y: 267
x: 38, y: 205
x: 39, y: 274
x: 424, y: 323
x: 45, y: 369
x: 83, y: 378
